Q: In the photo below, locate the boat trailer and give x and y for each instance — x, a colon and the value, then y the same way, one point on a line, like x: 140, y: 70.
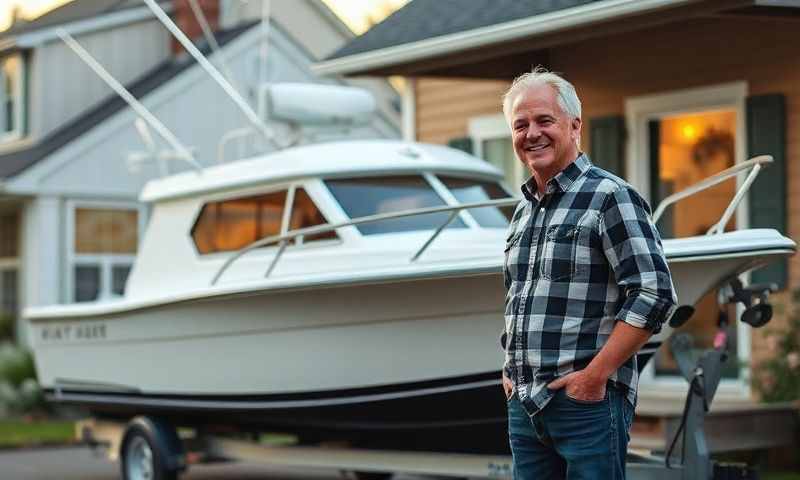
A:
x: 150, y: 448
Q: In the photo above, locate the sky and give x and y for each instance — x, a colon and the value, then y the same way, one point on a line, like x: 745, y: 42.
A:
x: 358, y: 14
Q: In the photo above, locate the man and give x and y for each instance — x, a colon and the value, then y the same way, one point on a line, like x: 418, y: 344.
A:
x: 587, y: 285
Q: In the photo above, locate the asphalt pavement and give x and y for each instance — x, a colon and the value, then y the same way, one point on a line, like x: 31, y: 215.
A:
x: 80, y: 463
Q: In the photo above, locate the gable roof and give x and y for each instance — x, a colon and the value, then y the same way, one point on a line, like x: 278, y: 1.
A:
x: 434, y: 29
x: 15, y: 162
x: 69, y: 12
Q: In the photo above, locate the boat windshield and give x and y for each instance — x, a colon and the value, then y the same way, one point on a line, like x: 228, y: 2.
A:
x: 364, y: 196
x: 472, y: 191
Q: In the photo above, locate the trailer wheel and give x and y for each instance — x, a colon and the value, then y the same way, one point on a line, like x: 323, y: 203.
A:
x: 140, y: 459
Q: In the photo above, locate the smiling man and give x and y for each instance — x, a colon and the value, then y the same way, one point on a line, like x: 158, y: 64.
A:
x: 587, y: 284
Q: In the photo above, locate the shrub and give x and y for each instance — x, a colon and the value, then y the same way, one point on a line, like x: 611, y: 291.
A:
x: 778, y: 378
x: 6, y: 326
x: 19, y: 390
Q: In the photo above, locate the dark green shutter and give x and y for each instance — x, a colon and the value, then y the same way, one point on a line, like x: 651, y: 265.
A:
x: 461, y: 143
x: 766, y: 135
x: 607, y: 137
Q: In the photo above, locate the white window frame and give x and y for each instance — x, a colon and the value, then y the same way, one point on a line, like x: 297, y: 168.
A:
x: 493, y: 127
x: 19, y: 96
x: 638, y: 112
x: 105, y: 261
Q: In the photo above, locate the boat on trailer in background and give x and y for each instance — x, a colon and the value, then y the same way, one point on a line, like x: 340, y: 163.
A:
x: 346, y: 292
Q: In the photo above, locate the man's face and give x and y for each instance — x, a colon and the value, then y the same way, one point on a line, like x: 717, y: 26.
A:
x: 544, y: 137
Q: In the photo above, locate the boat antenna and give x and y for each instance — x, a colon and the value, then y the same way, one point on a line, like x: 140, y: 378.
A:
x: 212, y: 41
x: 240, y: 102
x: 136, y: 105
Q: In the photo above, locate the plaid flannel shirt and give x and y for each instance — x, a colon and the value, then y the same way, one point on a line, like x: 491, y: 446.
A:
x: 581, y: 258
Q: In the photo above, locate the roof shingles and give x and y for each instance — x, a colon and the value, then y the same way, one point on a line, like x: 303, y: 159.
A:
x: 424, y: 19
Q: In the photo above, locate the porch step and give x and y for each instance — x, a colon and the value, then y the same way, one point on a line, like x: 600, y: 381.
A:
x: 732, y: 424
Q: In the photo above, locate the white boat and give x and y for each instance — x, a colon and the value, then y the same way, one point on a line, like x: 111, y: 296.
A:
x: 342, y: 291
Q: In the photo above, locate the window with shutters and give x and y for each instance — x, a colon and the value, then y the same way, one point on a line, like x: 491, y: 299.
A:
x: 677, y: 139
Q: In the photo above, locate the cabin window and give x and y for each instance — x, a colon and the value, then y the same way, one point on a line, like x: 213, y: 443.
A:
x: 360, y: 197
x: 472, y: 191
x: 11, y: 97
x: 233, y: 224
x: 104, y: 246
x: 305, y: 214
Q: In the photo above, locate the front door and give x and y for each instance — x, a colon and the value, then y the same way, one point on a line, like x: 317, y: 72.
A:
x: 686, y: 148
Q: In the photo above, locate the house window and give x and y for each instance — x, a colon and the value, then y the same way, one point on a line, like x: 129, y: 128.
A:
x: 103, y: 251
x: 686, y: 137
x: 491, y: 139
x: 11, y: 97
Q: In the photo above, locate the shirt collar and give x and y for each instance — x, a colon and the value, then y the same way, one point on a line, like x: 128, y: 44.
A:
x: 563, y: 179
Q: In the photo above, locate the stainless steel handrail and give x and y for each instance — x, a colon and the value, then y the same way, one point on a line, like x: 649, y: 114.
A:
x: 284, y: 239
x: 754, y: 164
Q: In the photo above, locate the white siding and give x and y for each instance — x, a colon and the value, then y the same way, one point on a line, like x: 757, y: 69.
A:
x: 63, y: 87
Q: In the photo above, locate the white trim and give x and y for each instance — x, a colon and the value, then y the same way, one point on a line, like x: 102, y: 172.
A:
x: 409, y: 110
x: 492, y: 127
x: 639, y: 111
x: 79, y: 27
x: 583, y: 15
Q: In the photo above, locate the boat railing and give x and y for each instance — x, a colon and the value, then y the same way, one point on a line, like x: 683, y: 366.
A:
x: 754, y: 166
x: 283, y: 239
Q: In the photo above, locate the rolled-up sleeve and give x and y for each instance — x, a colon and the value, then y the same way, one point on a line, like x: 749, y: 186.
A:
x: 633, y: 248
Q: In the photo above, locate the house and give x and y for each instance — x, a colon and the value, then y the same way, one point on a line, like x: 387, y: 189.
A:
x: 72, y: 161
x: 672, y: 91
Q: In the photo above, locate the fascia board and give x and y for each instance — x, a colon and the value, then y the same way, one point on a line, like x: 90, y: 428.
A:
x: 492, y: 34
x: 111, y: 20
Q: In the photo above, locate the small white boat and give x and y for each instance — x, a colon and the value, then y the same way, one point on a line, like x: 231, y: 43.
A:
x: 342, y: 291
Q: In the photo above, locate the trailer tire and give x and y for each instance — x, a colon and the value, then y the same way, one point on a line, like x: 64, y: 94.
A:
x: 141, y: 458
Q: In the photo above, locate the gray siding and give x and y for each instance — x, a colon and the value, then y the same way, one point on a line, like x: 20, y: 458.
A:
x: 62, y: 86
x: 195, y: 109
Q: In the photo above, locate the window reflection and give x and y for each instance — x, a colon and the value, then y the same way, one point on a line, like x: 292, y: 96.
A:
x: 360, y: 197
x: 473, y: 191
x: 233, y: 224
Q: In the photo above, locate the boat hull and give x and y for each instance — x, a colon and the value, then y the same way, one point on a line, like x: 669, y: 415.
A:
x: 403, y: 364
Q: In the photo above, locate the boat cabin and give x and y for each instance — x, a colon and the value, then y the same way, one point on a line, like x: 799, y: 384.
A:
x: 200, y: 219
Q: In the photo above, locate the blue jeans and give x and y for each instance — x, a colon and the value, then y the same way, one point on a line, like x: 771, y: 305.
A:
x: 571, y: 439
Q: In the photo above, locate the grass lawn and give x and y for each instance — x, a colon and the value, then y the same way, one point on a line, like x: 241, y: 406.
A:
x: 780, y: 476
x: 19, y: 433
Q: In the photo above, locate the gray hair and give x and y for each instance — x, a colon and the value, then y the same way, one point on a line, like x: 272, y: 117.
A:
x: 567, y: 97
